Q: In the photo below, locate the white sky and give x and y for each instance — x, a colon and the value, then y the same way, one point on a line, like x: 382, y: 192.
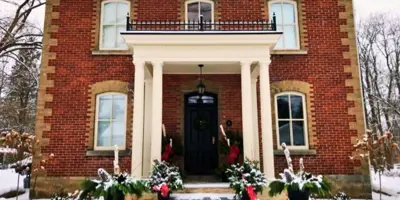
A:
x: 363, y: 8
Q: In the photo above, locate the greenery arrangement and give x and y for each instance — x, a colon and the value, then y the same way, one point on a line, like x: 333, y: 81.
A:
x: 114, y: 187
x: 299, y: 185
x: 164, y: 179
x: 247, y: 180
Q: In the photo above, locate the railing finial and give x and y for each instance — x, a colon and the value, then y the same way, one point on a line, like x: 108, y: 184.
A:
x: 201, y: 23
x: 274, y: 22
x: 127, y: 22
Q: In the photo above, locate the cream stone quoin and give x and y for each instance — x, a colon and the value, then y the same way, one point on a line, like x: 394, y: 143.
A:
x: 179, y: 52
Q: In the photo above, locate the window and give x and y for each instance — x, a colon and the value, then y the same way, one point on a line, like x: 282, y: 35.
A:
x: 204, y: 99
x: 113, y: 21
x: 196, y: 8
x: 291, y: 119
x: 286, y: 20
x: 110, y: 127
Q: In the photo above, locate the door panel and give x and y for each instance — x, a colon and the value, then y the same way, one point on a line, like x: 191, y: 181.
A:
x: 201, y: 155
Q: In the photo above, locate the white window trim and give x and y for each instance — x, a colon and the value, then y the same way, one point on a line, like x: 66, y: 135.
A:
x: 123, y: 147
x: 101, y: 23
x: 296, y: 16
x: 306, y: 146
x: 198, y: 1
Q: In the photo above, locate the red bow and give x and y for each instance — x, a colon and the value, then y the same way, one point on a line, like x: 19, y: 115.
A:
x: 233, y: 154
x: 167, y: 152
x: 251, y: 193
x: 164, y: 190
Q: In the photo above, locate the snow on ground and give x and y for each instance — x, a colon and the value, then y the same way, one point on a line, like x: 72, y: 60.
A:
x: 390, y: 184
x: 375, y: 196
x: 9, y: 181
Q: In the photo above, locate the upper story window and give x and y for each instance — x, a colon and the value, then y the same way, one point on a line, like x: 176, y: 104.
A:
x: 286, y: 20
x: 195, y: 8
x: 291, y: 122
x: 110, y: 123
x: 113, y: 21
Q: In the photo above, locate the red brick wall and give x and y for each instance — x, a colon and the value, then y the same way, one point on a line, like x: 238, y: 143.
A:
x: 77, y: 68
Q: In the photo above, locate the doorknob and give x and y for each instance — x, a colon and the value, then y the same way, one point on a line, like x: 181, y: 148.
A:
x: 213, y: 140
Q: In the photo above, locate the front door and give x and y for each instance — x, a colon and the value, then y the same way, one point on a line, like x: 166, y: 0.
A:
x: 201, y: 133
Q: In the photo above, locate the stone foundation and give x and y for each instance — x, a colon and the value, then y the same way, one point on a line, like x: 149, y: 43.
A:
x: 356, y: 186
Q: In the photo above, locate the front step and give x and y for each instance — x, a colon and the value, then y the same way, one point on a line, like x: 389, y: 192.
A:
x: 218, y: 188
x: 202, y: 196
x: 210, y: 191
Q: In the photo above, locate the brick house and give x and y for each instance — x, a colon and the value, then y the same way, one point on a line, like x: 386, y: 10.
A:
x: 108, y: 79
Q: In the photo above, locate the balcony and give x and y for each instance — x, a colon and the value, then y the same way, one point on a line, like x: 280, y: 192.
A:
x: 202, y: 26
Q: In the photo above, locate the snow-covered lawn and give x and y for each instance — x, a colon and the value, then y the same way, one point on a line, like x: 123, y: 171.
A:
x: 9, y: 181
x: 390, y: 184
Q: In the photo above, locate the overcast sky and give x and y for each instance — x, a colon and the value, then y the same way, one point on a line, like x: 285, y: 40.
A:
x: 363, y: 8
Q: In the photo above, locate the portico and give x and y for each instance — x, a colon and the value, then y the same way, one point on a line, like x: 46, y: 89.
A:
x: 159, y: 52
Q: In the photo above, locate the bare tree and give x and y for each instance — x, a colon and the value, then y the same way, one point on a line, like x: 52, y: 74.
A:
x: 20, y: 45
x: 378, y: 40
x: 16, y: 30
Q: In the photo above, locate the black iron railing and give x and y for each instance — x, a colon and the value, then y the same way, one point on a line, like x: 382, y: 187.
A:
x: 201, y: 25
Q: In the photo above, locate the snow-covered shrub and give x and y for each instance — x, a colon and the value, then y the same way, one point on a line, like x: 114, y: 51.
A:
x: 380, y: 150
x: 247, y: 179
x: 340, y: 196
x: 112, y: 187
x: 301, y: 181
x: 164, y: 178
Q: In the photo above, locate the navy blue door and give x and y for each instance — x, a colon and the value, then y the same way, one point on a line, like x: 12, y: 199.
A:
x: 201, y: 133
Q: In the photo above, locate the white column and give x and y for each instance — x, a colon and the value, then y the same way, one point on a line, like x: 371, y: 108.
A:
x: 247, y: 117
x: 255, y: 119
x: 138, y: 105
x: 266, y: 121
x: 156, y: 111
x: 148, y: 88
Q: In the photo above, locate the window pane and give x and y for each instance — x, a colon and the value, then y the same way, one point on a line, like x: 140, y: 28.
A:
x: 205, y: 9
x: 109, y: 36
x: 277, y: 9
x: 296, y: 104
x: 121, y: 42
x: 118, y: 133
x: 193, y: 11
x: 288, y: 13
x: 289, y: 33
x: 279, y: 45
x: 298, y: 133
x: 103, y: 134
x: 284, y: 132
x: 122, y: 11
x: 283, y: 106
x: 119, y: 109
x: 109, y: 13
x: 104, y: 108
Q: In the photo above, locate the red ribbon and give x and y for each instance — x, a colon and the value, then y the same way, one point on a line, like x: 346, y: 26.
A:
x: 251, y: 193
x: 167, y: 152
x: 233, y: 154
x: 164, y: 190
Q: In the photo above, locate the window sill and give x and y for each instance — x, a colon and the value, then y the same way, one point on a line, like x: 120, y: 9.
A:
x: 108, y: 153
x: 289, y: 52
x: 111, y: 52
x: 296, y: 152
